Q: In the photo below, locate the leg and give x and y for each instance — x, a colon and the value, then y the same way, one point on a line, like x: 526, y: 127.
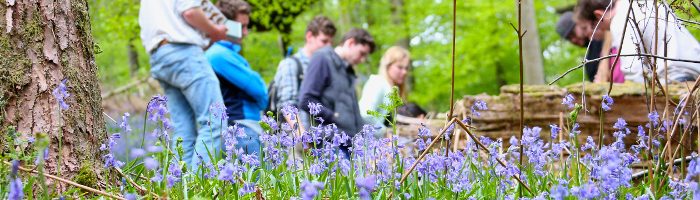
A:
x: 183, y: 121
x: 251, y: 142
x: 203, y: 93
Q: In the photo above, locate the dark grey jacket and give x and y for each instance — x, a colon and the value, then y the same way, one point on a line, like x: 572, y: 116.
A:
x: 331, y: 81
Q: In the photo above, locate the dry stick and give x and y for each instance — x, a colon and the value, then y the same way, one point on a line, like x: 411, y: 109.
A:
x: 420, y: 157
x: 70, y: 182
x: 137, y: 186
x: 452, y: 90
x: 478, y: 142
x: 520, y: 33
x: 675, y: 123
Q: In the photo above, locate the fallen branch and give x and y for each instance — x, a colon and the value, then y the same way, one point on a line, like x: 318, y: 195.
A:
x: 621, y: 55
x: 124, y: 88
x: 96, y: 191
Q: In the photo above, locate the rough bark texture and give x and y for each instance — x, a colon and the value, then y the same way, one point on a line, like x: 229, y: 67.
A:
x: 43, y: 42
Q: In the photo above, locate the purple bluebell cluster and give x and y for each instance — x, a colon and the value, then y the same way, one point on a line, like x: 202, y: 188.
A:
x: 61, y: 93
x: 568, y: 101
x: 607, y: 103
x: 373, y: 167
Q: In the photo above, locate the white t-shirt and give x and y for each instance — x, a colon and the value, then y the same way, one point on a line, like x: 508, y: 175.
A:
x: 374, y: 94
x: 162, y: 20
x: 681, y: 44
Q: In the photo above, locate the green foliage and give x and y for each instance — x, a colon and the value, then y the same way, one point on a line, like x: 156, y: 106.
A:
x: 486, y: 56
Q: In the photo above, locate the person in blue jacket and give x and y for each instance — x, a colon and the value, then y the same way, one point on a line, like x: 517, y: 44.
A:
x: 243, y: 89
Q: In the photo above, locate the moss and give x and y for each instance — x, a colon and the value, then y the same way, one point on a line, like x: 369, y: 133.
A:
x: 86, y: 176
x: 33, y: 28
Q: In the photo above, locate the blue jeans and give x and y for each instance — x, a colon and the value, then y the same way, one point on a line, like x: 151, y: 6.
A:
x: 251, y: 142
x: 191, y: 88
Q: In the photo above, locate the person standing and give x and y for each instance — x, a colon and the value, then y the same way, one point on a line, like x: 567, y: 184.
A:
x: 174, y: 32
x: 393, y: 71
x: 330, y: 82
x: 287, y: 81
x: 243, y: 89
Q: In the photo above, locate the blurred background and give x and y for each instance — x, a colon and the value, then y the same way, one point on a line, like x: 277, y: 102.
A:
x: 486, y: 55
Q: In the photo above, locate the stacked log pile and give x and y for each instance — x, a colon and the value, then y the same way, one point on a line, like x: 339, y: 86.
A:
x: 543, y: 106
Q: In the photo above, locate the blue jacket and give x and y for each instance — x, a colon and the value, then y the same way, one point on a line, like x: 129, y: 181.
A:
x: 243, y: 89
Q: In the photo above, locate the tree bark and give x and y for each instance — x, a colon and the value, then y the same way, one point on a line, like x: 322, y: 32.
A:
x: 532, y: 53
x: 42, y: 43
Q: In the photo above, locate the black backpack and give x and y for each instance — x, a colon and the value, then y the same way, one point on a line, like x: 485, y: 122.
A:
x: 273, y: 103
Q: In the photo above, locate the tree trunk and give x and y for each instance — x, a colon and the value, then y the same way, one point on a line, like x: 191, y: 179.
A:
x: 42, y: 43
x: 398, y: 19
x: 133, y: 58
x: 532, y: 53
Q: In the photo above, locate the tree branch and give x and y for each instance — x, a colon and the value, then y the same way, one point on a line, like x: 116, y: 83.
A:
x: 621, y: 55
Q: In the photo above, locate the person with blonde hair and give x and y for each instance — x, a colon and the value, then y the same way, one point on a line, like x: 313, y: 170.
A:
x: 393, y: 70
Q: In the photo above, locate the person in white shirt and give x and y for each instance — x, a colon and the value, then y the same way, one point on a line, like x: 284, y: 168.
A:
x: 174, y: 33
x: 393, y: 70
x: 673, y: 39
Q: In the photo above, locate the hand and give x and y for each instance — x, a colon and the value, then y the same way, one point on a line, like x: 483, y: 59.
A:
x: 218, y: 33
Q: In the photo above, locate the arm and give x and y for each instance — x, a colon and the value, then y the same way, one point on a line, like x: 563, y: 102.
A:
x: 603, y: 74
x: 192, y: 12
x: 317, y: 77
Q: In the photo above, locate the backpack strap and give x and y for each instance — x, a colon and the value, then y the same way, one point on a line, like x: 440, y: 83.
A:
x: 300, y: 69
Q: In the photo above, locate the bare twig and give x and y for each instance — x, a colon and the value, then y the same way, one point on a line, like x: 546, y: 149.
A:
x: 96, y: 191
x: 132, y: 182
x: 620, y: 55
x: 124, y: 88
x: 520, y: 33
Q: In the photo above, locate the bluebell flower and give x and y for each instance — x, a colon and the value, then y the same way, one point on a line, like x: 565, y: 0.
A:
x: 174, y: 174
x: 42, y: 156
x: 366, y: 186
x: 478, y: 105
x: 310, y: 189
x: 15, y: 188
x: 250, y: 159
x: 586, y: 191
x: 150, y: 163
x: 554, y: 131
x: 290, y: 110
x: 653, y: 118
x: 607, y: 103
x: 693, y: 167
x: 678, y: 189
x: 137, y: 153
x: 218, y: 110
x: 130, y: 196
x: 154, y: 149
x: 124, y: 124
x: 559, y: 191
x: 568, y: 101
x: 590, y: 144
x: 246, y: 189
x: 271, y: 122
x: 314, y: 108
x: 157, y: 108
x: 61, y: 93
x: 621, y: 124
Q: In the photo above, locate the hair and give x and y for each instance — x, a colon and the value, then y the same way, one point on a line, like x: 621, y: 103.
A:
x: 585, y: 9
x: 321, y: 24
x: 411, y: 110
x: 361, y: 36
x: 393, y: 55
x: 232, y: 8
